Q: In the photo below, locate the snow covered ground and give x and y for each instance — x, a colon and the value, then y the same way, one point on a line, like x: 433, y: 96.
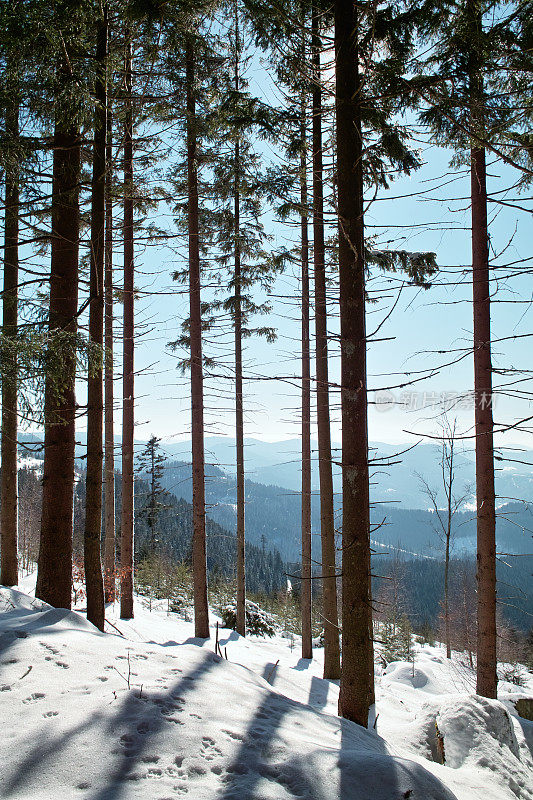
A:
x: 154, y: 713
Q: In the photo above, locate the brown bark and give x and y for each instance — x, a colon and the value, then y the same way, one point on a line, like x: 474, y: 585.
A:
x: 109, y: 446
x: 95, y: 409
x: 8, y: 485
x: 239, y: 413
x: 307, y: 645
x: 327, y: 519
x: 201, y: 609
x: 54, y: 573
x: 356, y: 684
x: 447, y: 459
x: 126, y: 528
x: 487, y: 681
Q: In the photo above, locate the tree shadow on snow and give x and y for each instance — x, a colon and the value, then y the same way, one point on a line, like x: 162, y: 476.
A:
x: 140, y: 720
x: 46, y: 749
x: 318, y: 692
x: 303, y: 663
x: 366, y: 768
x: 270, y: 672
x: 130, y: 733
x: 233, y: 637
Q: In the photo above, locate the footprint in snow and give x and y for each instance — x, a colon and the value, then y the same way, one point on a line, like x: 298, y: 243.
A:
x: 62, y: 664
x: 143, y: 727
x: 209, y: 750
x: 34, y: 697
x: 233, y: 735
x: 196, y: 771
x: 50, y: 713
x: 49, y: 648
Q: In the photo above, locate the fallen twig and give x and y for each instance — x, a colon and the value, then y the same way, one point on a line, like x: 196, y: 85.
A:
x: 26, y: 673
x: 115, y: 627
x: 271, y: 671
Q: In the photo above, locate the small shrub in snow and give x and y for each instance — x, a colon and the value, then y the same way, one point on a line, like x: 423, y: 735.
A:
x: 397, y: 641
x: 513, y: 673
x: 258, y: 622
x: 181, y: 604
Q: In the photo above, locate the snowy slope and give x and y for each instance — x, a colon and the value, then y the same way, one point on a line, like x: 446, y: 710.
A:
x: 193, y: 724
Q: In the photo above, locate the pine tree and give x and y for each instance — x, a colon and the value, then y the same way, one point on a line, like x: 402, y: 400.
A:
x: 306, y: 594
x: 93, y: 516
x: 9, y: 422
x: 472, y: 109
x: 151, y: 463
x: 240, y: 184
x: 54, y: 575
x: 327, y: 517
x: 109, y: 445
x: 201, y: 608
x: 487, y: 679
x: 127, y: 517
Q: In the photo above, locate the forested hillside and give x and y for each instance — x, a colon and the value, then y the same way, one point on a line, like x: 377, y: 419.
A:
x: 266, y: 432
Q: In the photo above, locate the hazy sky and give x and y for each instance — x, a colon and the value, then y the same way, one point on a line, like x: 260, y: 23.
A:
x: 423, y: 322
x: 428, y: 211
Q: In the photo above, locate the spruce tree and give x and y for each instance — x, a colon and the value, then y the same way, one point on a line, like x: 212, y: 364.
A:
x: 93, y: 514
x: 368, y: 143
x: 127, y: 517
x: 306, y: 592
x: 54, y: 575
x: 240, y: 187
x: 151, y: 465
x: 109, y: 445
x: 327, y: 517
x: 201, y: 608
x: 8, y: 487
x: 472, y: 91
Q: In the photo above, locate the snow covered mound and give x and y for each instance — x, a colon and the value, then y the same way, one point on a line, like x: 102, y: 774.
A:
x: 473, y: 728
x: 97, y: 717
x: 479, y: 732
x: 411, y: 675
x: 13, y: 600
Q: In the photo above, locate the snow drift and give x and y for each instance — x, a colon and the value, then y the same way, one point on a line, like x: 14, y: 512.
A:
x: 159, y: 715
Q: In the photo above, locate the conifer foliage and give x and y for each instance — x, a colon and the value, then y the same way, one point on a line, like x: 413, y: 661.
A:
x: 247, y: 141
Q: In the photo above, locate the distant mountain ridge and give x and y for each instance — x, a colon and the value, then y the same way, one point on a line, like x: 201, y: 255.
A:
x: 273, y: 512
x: 278, y: 463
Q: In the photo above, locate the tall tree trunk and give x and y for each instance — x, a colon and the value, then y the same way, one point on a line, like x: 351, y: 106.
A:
x: 448, y: 536
x: 487, y: 680
x: 201, y: 608
x: 239, y: 413
x: 54, y: 573
x: 356, y: 685
x: 8, y: 486
x: 446, y: 598
x: 153, y: 502
x: 327, y: 519
x: 126, y: 527
x: 95, y: 409
x: 307, y: 646
x: 109, y: 432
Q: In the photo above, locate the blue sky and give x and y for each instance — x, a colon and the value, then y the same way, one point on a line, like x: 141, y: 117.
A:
x: 422, y: 322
